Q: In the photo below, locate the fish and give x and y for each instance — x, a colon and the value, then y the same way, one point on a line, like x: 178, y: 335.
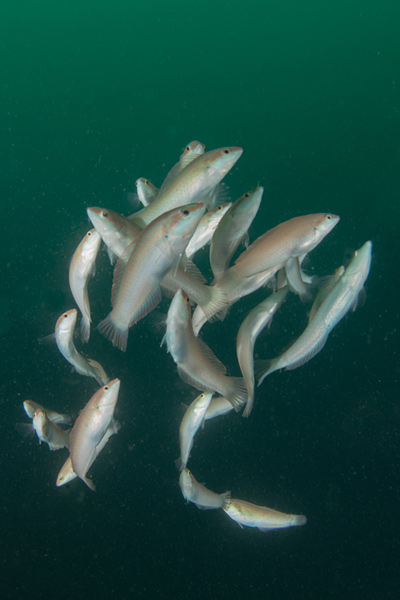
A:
x: 197, y: 364
x: 196, y: 182
x: 250, y: 515
x: 146, y: 191
x: 332, y: 303
x: 49, y: 432
x: 257, y: 265
x: 90, y: 427
x: 190, y: 424
x: 247, y: 335
x: 81, y: 268
x: 31, y: 407
x: 232, y: 229
x: 196, y: 492
x: 116, y: 231
x: 64, y: 338
x: 136, y: 286
x: 206, y: 228
x: 191, y: 151
x: 67, y: 473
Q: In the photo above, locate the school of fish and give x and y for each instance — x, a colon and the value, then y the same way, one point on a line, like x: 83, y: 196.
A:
x: 152, y: 251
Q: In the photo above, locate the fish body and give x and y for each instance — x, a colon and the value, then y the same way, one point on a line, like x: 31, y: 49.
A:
x: 136, y: 284
x: 206, y: 228
x: 49, y: 432
x: 250, y: 515
x: 31, y: 407
x: 232, y: 228
x: 330, y: 306
x: 64, y: 338
x: 196, y: 182
x: 67, y: 473
x: 196, y: 492
x: 192, y: 150
x: 90, y: 427
x: 196, y: 363
x: 248, y: 332
x: 192, y: 420
x: 81, y: 268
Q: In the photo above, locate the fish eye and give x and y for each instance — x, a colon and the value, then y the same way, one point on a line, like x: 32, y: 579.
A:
x: 146, y: 181
x: 247, y: 195
x: 65, y: 315
x: 187, y: 149
x: 185, y: 212
x: 226, y: 151
x: 105, y: 388
x: 89, y: 233
x: 105, y: 214
x: 329, y: 217
x: 220, y: 207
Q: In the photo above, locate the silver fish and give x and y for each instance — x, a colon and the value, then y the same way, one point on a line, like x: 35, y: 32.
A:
x: 191, y: 422
x: 206, y: 228
x: 81, y: 268
x: 330, y: 306
x: 64, y: 338
x: 49, y: 432
x: 197, y: 365
x: 31, y: 407
x: 196, y: 492
x: 90, y: 427
x: 250, y: 515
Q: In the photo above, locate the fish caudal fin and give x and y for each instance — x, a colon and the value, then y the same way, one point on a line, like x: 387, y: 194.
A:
x: 238, y: 396
x: 118, y: 336
x: 101, y: 375
x: 85, y: 329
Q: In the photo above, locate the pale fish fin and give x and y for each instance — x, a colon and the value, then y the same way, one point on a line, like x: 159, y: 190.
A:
x: 309, y: 355
x: 226, y: 496
x: 89, y: 483
x: 245, y: 240
x: 85, y: 328
x: 218, y: 302
x: 25, y: 429
x: 179, y: 464
x: 211, y: 356
x: 227, y: 501
x: 118, y: 337
x: 151, y: 302
x: 189, y: 266
x: 101, y: 375
x: 262, y: 368
x: 62, y: 419
x: 119, y: 270
x: 298, y: 520
x: 238, y: 397
x: 193, y: 382
x: 112, y: 256
x: 249, y: 405
x: 359, y: 300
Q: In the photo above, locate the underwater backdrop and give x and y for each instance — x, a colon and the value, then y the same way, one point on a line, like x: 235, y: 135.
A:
x: 97, y: 94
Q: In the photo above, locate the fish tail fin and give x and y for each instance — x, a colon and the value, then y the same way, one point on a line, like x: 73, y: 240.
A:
x: 262, y: 368
x: 297, y: 520
x: 90, y: 484
x: 101, y: 375
x: 85, y: 329
x: 117, y: 335
x: 238, y: 397
x: 249, y: 405
x: 179, y: 464
x: 226, y: 498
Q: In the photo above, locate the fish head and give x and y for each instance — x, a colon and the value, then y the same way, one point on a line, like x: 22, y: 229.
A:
x: 182, y: 222
x: 325, y: 222
x: 66, y: 322
x: 359, y: 265
x: 30, y: 407
x: 217, y: 163
x: 91, y: 242
x: 179, y: 309
x: 194, y: 148
x: 249, y: 198
x: 186, y: 483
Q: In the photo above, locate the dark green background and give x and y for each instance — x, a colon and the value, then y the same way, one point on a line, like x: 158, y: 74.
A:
x: 97, y: 94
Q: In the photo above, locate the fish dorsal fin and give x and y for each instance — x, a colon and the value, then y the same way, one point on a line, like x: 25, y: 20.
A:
x: 119, y: 270
x: 328, y: 284
x: 211, y: 356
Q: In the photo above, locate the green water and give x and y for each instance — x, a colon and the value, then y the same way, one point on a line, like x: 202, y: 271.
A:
x: 97, y: 94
